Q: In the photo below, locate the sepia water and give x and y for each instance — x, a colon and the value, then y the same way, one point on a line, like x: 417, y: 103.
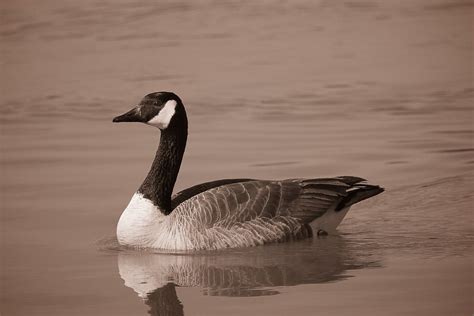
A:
x: 273, y: 90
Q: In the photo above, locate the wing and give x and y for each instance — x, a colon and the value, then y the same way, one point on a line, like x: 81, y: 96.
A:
x: 255, y: 212
x: 182, y: 196
x: 301, y: 199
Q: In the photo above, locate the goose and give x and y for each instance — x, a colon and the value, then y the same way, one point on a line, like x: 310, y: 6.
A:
x: 226, y: 213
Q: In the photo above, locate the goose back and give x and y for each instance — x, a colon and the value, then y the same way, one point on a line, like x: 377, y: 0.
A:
x: 185, y: 194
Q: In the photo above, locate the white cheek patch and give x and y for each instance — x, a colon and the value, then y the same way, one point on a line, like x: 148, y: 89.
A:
x: 163, y: 118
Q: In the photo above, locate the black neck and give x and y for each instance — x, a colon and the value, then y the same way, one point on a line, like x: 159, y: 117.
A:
x: 159, y: 183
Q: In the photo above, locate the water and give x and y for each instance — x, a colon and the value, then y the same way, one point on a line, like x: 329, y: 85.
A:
x: 378, y: 89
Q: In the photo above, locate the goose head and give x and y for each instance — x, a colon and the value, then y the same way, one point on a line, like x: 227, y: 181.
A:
x: 163, y: 110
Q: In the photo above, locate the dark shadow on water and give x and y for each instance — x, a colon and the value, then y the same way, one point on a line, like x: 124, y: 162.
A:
x: 257, y: 271
x: 164, y: 301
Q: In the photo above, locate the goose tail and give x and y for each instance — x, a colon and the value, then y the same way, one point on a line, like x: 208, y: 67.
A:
x: 357, y: 193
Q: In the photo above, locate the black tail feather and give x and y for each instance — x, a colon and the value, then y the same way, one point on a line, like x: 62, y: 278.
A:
x: 357, y: 193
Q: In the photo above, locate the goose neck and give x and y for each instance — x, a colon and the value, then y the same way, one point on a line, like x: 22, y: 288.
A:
x: 159, y: 183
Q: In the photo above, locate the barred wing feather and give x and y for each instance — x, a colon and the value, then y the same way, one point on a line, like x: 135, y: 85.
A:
x: 257, y: 212
x: 185, y: 194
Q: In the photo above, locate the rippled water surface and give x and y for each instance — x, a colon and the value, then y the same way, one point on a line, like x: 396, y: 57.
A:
x: 273, y: 90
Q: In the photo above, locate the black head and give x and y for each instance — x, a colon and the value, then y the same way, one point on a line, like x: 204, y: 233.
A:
x: 164, y: 110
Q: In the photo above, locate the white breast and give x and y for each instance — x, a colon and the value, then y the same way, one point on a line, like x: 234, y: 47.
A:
x: 139, y: 222
x: 143, y: 225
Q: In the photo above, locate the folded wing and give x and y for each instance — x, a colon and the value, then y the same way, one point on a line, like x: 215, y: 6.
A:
x: 258, y: 211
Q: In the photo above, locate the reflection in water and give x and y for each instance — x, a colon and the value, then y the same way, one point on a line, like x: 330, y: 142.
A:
x: 164, y: 301
x: 239, y: 272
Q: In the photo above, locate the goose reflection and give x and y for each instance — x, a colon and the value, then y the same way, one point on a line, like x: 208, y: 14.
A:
x: 239, y: 272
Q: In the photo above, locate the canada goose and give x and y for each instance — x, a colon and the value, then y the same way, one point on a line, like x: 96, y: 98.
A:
x: 223, y: 213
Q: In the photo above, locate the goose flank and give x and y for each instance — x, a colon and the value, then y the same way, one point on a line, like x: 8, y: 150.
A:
x: 229, y: 212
